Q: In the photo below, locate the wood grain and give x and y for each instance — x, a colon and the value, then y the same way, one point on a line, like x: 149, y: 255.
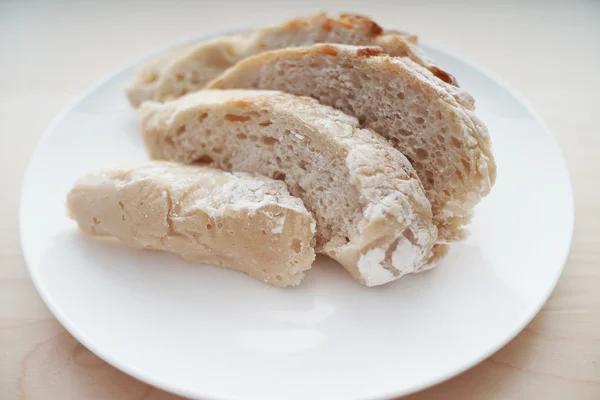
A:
x: 548, y: 50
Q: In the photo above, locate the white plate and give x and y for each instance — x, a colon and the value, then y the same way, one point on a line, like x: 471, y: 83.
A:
x: 205, y: 332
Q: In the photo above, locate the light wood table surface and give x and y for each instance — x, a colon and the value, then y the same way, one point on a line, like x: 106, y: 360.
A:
x: 549, y: 51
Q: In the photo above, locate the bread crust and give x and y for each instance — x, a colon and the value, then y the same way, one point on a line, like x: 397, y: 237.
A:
x: 188, y: 69
x: 240, y: 221
x: 371, y: 212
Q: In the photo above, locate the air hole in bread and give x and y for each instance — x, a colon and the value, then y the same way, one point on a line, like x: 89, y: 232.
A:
x: 296, y: 190
x: 459, y: 175
x: 180, y: 77
x: 429, y: 175
x: 219, y: 225
x: 122, y: 217
x: 237, y: 118
x: 466, y: 164
x: 296, y: 245
x: 263, y: 232
x: 241, y: 136
x: 421, y: 154
x: 121, y: 205
x: 202, y: 117
x: 265, y: 123
x: 456, y: 142
x: 419, y: 121
x: 217, y: 150
x: 209, y: 227
x: 400, y: 95
x: 278, y: 175
x: 180, y: 131
x: 204, y: 160
x: 278, y: 160
x: 405, y: 132
x: 169, y: 141
x: 95, y: 220
x: 278, y: 277
x: 408, y: 234
x: 253, y: 138
x: 269, y: 141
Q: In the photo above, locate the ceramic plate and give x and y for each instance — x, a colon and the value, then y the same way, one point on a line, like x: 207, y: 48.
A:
x: 201, y: 331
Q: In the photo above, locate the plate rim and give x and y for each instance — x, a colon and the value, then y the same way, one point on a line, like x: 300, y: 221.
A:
x: 142, y: 376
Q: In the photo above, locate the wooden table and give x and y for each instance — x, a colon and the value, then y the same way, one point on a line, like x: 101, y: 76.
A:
x: 549, y: 51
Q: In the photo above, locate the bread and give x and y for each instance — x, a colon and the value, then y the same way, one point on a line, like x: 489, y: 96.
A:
x: 371, y: 212
x: 183, y: 70
x: 241, y: 221
x: 189, y: 69
x: 445, y: 142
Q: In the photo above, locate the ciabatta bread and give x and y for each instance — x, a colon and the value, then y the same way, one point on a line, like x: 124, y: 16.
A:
x: 189, y: 69
x: 246, y: 222
x: 371, y: 212
x: 447, y: 145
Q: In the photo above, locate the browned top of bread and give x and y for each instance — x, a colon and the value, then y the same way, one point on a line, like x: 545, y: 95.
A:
x: 185, y: 70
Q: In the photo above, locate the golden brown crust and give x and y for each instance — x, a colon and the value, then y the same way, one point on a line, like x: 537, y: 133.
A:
x: 329, y: 50
x: 368, y: 52
x: 443, y: 75
x: 365, y: 23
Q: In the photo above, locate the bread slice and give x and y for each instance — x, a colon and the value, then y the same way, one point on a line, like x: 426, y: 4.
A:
x: 447, y: 145
x: 189, y: 69
x: 371, y: 212
x: 241, y: 221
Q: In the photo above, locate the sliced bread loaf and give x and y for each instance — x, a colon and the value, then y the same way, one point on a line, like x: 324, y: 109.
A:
x: 189, y: 69
x: 447, y: 145
x: 371, y: 212
x: 246, y: 222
